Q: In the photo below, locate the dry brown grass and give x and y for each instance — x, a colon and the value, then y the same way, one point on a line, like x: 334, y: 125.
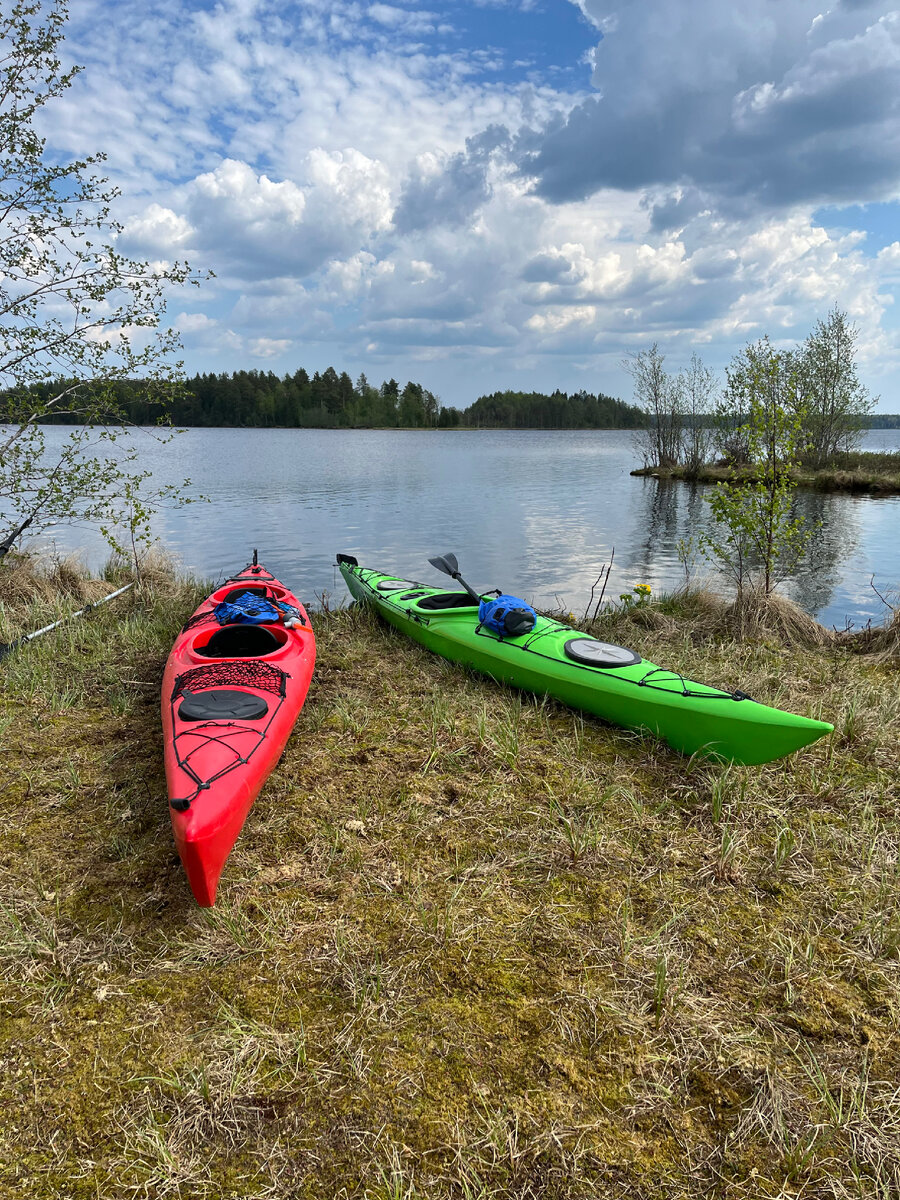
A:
x: 25, y: 579
x: 470, y: 945
x: 752, y: 616
x: 756, y: 615
x: 880, y: 642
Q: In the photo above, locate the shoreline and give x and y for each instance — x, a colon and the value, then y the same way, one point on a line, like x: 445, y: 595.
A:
x: 827, y: 479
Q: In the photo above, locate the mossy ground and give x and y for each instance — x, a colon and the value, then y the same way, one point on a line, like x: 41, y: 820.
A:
x: 469, y: 944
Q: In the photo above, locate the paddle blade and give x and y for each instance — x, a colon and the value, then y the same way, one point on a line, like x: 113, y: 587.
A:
x: 446, y: 563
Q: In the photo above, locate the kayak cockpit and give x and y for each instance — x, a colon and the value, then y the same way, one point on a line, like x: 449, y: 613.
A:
x: 446, y: 600
x: 241, y: 641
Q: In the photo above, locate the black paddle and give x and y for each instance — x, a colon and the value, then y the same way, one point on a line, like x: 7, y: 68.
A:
x: 516, y: 621
x: 448, y: 564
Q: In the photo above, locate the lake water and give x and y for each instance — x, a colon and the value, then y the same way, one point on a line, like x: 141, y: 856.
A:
x: 536, y: 513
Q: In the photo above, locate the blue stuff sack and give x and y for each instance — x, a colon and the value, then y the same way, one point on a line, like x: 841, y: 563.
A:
x: 246, y: 610
x: 507, y: 616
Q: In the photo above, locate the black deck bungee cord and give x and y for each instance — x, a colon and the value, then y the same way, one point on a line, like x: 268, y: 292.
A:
x: 240, y: 672
x: 556, y: 627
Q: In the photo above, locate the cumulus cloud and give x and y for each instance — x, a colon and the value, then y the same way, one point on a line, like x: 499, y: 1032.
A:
x: 735, y: 105
x: 271, y: 227
x: 195, y: 323
x: 452, y: 191
x: 265, y: 347
x: 369, y: 191
x: 548, y: 268
x: 157, y: 230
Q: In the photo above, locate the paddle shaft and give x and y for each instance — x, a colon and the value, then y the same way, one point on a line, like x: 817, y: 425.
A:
x: 6, y: 648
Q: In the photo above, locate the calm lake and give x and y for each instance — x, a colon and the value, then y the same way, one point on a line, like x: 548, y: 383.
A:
x: 536, y: 513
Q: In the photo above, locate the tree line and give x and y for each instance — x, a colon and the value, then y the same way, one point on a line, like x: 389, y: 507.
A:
x: 329, y: 400
x: 559, y: 410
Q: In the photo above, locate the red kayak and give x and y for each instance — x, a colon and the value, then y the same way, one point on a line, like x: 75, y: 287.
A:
x: 231, y: 694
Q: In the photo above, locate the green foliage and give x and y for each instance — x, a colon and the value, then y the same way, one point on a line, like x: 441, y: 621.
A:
x: 73, y: 310
x: 643, y: 592
x: 755, y: 526
x: 326, y: 400
x: 329, y: 400
x: 836, y: 402
x: 536, y: 410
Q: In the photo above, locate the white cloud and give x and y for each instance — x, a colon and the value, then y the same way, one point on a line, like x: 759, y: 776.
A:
x: 352, y: 176
x: 402, y: 19
x: 194, y: 323
x: 268, y: 347
x: 157, y: 230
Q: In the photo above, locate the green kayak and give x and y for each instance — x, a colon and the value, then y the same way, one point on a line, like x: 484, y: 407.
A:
x: 609, y: 681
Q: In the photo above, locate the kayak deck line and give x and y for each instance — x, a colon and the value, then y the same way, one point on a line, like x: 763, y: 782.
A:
x: 526, y: 644
x: 619, y: 687
x: 218, y: 676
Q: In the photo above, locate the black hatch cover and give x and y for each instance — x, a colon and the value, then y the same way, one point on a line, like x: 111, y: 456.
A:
x: 221, y: 704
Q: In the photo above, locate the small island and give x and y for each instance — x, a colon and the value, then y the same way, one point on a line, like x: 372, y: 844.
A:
x: 868, y: 471
x: 802, y: 410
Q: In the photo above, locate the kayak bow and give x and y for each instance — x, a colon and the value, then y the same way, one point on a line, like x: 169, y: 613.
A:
x: 611, y: 682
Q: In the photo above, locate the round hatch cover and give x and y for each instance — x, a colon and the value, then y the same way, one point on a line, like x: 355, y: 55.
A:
x: 600, y: 654
x: 395, y: 585
x: 221, y: 704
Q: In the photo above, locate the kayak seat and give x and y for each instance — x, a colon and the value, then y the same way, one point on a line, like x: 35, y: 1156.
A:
x: 448, y: 600
x: 220, y: 704
x: 240, y: 641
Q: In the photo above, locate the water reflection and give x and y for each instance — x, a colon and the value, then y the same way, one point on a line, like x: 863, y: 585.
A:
x: 664, y: 517
x: 537, y: 513
x: 835, y: 535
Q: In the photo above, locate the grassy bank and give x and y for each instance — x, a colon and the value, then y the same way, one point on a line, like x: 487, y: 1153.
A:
x: 469, y: 945
x: 876, y: 472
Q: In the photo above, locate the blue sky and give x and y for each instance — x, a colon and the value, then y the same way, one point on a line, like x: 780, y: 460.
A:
x: 501, y: 193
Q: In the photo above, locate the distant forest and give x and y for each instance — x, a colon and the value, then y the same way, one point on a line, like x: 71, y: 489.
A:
x: 251, y: 399
x: 332, y: 401
x: 329, y: 400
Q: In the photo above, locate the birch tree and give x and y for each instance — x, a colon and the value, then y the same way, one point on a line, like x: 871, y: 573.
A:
x: 76, y: 315
x: 836, y: 401
x: 660, y: 395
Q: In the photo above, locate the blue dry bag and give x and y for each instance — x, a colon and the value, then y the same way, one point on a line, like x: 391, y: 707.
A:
x: 246, y: 610
x: 507, y: 616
